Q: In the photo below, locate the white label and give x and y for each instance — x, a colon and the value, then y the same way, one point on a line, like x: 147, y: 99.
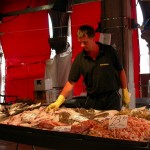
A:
x: 62, y: 128
x: 119, y: 121
x: 79, y: 118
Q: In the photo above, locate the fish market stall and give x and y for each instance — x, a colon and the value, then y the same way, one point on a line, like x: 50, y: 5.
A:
x: 70, y: 128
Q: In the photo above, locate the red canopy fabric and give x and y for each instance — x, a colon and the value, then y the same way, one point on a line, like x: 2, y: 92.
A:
x: 136, y: 53
x: 25, y: 46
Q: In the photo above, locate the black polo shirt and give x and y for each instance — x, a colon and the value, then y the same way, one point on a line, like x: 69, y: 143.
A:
x: 100, y: 75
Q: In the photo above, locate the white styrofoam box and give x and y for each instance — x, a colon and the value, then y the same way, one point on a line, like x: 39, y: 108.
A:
x: 48, y: 97
x: 54, y: 93
x: 105, y: 38
x: 42, y: 84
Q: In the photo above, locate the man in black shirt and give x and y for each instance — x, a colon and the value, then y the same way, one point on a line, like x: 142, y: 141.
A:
x: 102, y: 72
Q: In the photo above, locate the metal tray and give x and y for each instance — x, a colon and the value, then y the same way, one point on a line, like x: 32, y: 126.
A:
x: 116, y: 141
x: 62, y: 140
x: 38, y: 137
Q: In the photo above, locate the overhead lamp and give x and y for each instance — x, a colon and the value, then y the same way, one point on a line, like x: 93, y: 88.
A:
x: 63, y: 6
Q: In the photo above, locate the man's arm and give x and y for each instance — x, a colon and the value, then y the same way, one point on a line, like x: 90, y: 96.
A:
x: 123, y: 79
x: 125, y: 93
x: 67, y: 89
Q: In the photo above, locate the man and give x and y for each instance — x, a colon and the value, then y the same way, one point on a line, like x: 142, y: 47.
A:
x: 102, y: 72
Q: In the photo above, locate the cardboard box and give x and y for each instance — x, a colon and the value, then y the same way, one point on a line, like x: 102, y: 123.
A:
x: 40, y: 96
x: 42, y: 84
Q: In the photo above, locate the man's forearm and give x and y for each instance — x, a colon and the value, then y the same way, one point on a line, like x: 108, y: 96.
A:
x: 67, y: 89
x: 123, y: 79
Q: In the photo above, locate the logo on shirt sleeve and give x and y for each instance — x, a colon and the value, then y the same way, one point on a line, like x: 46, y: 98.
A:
x: 101, y: 65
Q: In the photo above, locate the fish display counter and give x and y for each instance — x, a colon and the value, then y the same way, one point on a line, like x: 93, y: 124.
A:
x: 75, y: 128
x: 60, y: 140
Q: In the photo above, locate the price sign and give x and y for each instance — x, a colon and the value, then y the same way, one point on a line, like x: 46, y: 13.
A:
x: 79, y: 118
x: 119, y: 121
x: 62, y: 128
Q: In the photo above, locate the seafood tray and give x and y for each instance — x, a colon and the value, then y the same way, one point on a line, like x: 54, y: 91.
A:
x: 7, y: 109
x: 123, y: 144
x: 61, y: 140
x: 42, y: 138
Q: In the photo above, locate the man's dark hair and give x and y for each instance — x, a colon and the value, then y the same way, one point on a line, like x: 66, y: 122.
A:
x: 85, y: 30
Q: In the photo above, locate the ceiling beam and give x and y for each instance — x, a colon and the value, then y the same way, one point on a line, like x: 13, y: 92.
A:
x: 84, y: 1
x: 27, y: 10
x: 40, y: 8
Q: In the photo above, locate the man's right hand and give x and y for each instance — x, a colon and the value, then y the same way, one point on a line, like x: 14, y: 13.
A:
x: 126, y: 97
x: 56, y: 104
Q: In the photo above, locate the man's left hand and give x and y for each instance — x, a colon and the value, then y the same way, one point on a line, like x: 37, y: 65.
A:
x: 126, y: 96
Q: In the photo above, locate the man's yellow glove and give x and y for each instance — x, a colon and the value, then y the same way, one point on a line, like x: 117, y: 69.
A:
x: 126, y: 96
x: 56, y: 104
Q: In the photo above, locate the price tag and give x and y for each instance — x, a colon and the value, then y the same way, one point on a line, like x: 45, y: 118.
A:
x: 119, y: 121
x: 62, y: 128
x: 79, y: 118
